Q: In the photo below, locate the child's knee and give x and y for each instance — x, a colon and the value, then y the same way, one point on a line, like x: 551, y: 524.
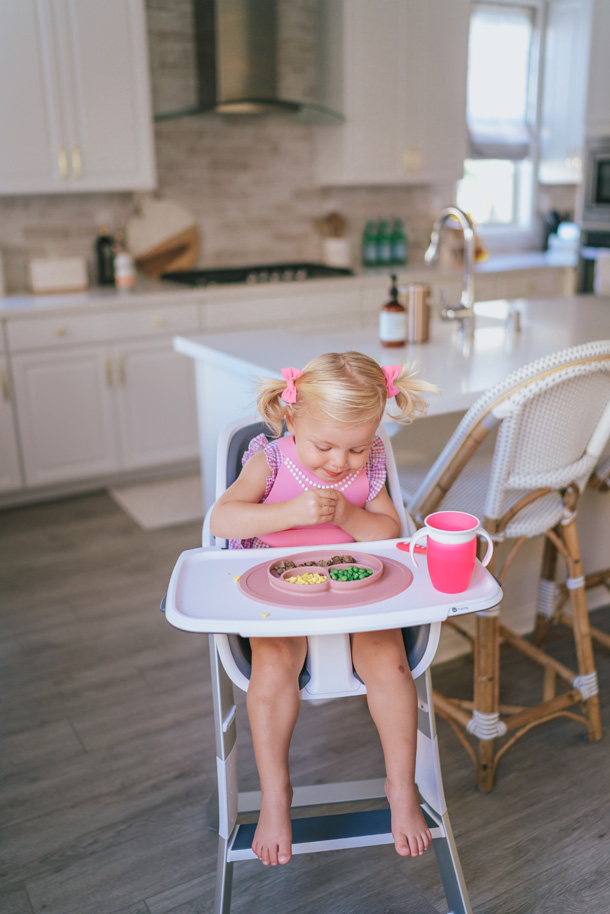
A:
x: 278, y: 658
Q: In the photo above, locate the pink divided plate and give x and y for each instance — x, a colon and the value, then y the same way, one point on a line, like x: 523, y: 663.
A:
x: 260, y: 583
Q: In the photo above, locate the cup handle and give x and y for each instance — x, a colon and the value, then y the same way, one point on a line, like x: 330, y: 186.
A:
x: 490, y: 546
x: 416, y: 536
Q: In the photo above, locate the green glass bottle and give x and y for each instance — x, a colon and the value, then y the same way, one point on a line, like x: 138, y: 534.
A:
x: 384, y: 244
x: 399, y: 243
x: 369, y: 244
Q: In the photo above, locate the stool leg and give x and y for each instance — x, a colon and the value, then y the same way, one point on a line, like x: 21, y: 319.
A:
x: 486, y: 693
x: 582, y: 633
x: 546, y: 592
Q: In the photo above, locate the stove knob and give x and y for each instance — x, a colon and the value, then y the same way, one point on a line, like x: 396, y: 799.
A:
x: 300, y: 275
x: 275, y: 276
x: 251, y: 278
x: 263, y: 276
x: 287, y: 276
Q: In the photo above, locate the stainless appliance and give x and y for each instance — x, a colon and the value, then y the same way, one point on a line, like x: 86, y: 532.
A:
x: 264, y: 273
x: 594, y: 210
x: 596, y: 202
x: 241, y: 63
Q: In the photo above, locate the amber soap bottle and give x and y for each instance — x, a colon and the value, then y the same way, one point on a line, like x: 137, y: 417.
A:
x: 393, y: 319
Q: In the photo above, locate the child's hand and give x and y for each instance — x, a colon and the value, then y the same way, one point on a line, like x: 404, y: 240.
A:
x: 316, y: 506
x: 343, y: 509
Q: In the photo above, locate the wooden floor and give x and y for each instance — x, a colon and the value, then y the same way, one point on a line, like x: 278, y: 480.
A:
x: 107, y: 756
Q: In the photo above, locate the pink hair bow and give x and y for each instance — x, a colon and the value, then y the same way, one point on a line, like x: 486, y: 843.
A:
x: 391, y: 372
x: 289, y: 395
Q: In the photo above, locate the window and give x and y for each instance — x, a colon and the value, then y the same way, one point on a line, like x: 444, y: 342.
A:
x: 498, y: 184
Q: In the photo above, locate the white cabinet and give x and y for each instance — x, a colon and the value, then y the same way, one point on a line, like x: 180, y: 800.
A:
x: 10, y: 473
x: 397, y: 71
x: 598, y: 95
x: 155, y: 403
x: 65, y: 415
x: 102, y: 393
x: 564, y: 91
x: 74, y: 97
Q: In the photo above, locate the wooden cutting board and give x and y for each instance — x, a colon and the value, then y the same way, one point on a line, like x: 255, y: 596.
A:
x: 162, y: 236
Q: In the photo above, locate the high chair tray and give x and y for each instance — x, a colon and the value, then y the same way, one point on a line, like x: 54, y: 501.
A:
x: 204, y: 596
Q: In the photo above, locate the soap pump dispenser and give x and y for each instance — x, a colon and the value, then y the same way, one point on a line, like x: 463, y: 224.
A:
x: 393, y: 319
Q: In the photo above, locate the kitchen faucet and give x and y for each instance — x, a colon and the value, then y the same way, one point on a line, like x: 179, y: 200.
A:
x: 464, y: 312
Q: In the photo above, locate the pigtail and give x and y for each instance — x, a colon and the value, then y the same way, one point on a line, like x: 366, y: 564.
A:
x: 410, y: 401
x: 271, y: 407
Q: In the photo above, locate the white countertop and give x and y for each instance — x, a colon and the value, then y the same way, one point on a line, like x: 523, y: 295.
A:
x: 155, y: 292
x: 547, y: 325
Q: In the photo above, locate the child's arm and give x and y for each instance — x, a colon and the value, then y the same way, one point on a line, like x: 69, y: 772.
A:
x: 378, y: 520
x: 238, y: 513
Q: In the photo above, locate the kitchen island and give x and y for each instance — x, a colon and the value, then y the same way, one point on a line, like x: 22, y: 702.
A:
x: 228, y: 364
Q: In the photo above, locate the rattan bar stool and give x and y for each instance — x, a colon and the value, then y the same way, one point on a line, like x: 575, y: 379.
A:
x: 519, y: 459
x: 553, y: 597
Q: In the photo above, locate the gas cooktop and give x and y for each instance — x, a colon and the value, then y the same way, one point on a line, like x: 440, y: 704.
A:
x: 274, y: 272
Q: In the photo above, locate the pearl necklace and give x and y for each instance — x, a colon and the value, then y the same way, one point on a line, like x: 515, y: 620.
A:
x: 305, y: 482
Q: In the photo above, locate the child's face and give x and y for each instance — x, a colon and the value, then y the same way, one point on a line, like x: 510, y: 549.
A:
x: 328, y: 450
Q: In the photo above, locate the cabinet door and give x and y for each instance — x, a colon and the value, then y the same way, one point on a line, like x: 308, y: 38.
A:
x: 564, y: 92
x: 65, y: 411
x: 397, y: 71
x: 155, y: 398
x: 74, y: 97
x: 33, y: 155
x: 598, y: 98
x: 103, y: 59
x: 10, y: 473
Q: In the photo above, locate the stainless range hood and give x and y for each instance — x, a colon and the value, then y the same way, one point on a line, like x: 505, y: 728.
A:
x: 243, y: 67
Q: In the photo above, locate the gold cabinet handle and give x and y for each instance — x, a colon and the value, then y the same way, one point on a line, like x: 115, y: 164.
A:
x: 120, y: 364
x: 6, y: 390
x: 77, y: 165
x: 158, y: 321
x: 108, y: 371
x: 60, y: 331
x: 62, y: 161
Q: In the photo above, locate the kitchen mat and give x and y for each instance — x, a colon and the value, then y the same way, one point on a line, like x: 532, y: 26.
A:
x: 161, y: 502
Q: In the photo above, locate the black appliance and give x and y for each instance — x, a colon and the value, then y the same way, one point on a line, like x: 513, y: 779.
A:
x: 595, y: 210
x: 257, y: 274
x: 596, y: 202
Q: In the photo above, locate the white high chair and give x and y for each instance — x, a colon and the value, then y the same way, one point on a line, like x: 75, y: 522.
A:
x: 328, y: 673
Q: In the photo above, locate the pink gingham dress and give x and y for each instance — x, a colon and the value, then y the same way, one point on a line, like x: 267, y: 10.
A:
x: 288, y: 478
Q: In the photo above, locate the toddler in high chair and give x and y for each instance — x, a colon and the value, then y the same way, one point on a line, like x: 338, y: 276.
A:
x: 324, y: 482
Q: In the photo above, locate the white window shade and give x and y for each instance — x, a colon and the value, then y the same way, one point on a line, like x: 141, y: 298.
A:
x: 498, y: 139
x: 499, y: 104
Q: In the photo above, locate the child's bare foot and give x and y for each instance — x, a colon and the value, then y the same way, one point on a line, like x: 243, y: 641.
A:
x: 409, y: 830
x: 272, y: 842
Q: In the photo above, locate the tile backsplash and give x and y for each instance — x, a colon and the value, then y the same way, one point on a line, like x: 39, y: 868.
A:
x: 248, y: 182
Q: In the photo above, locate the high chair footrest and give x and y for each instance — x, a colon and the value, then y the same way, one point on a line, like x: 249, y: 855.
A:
x: 325, y: 833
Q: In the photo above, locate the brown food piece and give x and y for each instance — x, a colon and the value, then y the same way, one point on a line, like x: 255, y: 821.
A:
x: 341, y: 560
x: 279, y: 569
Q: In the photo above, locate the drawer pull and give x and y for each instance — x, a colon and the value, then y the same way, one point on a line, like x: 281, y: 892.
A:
x: 60, y: 331
x: 120, y: 362
x: 62, y: 162
x: 6, y: 390
x: 108, y: 371
x: 77, y: 165
x: 158, y: 321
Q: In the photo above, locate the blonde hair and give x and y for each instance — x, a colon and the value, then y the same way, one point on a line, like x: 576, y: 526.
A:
x: 347, y: 388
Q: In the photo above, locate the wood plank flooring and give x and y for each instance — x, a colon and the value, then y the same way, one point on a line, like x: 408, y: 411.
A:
x: 107, y: 756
